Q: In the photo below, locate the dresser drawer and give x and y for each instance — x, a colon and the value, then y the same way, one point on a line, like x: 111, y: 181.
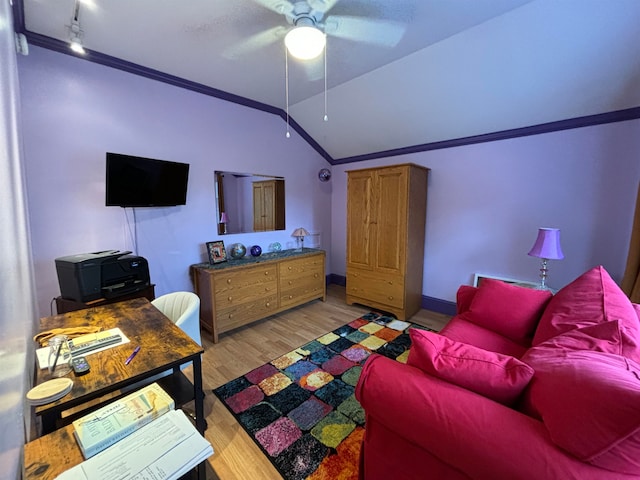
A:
x: 248, y: 285
x: 301, y: 280
x: 367, y: 285
x: 244, y: 313
x: 292, y: 270
x: 302, y: 289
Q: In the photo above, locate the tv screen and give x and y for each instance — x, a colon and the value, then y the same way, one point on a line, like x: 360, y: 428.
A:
x: 145, y: 182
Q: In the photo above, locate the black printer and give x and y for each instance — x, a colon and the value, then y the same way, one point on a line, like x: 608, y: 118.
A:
x: 108, y: 274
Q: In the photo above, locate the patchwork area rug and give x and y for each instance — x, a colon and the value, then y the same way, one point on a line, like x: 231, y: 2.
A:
x: 301, y: 409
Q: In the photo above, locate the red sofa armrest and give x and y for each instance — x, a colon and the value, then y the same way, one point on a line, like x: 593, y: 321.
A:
x: 479, y: 437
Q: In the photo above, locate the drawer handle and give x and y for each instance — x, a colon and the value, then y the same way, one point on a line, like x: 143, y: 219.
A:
x: 229, y: 298
x: 290, y: 282
x: 267, y: 272
x: 228, y: 280
x: 390, y: 297
x: 290, y: 297
x: 231, y: 315
x: 268, y: 304
x: 266, y: 289
x: 315, y: 275
x: 390, y: 283
x: 289, y: 268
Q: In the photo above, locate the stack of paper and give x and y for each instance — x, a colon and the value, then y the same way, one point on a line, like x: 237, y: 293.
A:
x: 42, y: 354
x: 166, y: 448
x: 111, y: 423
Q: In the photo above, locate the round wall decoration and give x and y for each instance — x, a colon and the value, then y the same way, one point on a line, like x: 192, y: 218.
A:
x: 324, y: 174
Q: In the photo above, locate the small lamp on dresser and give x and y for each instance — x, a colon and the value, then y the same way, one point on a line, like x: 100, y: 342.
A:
x: 223, y: 221
x: 547, y: 247
x: 300, y: 233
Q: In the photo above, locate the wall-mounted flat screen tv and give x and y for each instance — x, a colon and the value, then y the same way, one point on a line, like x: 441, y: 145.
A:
x: 145, y: 182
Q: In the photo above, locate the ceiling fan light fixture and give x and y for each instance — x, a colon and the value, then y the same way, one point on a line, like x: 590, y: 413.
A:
x: 305, y: 42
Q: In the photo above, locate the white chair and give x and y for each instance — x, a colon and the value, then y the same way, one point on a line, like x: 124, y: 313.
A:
x: 183, y: 309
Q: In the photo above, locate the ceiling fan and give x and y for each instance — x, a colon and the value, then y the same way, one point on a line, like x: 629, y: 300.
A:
x: 312, y: 15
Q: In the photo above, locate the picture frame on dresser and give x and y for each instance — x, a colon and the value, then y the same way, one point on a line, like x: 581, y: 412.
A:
x: 217, y: 252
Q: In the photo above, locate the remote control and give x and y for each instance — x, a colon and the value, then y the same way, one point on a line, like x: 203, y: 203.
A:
x: 94, y: 344
x: 79, y: 365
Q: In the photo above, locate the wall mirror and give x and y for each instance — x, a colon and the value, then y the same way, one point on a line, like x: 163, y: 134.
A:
x: 247, y: 202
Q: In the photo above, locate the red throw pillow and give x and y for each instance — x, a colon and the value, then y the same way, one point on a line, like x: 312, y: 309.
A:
x: 499, y: 377
x: 590, y: 404
x: 509, y: 310
x: 590, y: 299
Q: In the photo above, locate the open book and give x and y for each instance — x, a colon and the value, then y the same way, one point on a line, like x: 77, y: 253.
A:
x: 167, y: 448
x: 111, y: 423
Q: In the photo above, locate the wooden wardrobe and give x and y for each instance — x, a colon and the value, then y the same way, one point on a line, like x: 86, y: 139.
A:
x: 386, y: 211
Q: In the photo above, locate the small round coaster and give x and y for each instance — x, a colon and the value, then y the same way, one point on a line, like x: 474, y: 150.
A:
x: 49, y: 391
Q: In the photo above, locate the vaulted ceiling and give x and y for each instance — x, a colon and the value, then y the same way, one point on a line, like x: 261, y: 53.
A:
x: 399, y: 73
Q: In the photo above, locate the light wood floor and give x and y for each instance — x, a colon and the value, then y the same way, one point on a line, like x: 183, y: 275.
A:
x: 236, y: 456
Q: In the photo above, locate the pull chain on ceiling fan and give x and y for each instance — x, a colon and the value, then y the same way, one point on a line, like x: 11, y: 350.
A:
x: 286, y: 76
x: 307, y: 39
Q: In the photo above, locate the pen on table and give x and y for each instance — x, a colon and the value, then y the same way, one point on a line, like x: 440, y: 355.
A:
x: 55, y: 361
x: 135, y: 351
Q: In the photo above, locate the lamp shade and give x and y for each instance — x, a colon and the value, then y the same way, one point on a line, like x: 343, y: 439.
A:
x: 547, y: 244
x: 300, y: 232
x: 223, y: 217
x: 305, y: 42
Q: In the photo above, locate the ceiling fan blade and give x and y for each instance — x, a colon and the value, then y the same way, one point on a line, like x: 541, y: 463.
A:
x: 378, y: 32
x: 322, y: 6
x: 279, y: 6
x: 255, y: 42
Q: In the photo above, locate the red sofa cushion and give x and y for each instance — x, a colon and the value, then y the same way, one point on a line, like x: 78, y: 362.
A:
x: 509, y: 310
x: 608, y: 337
x: 464, y: 297
x: 590, y: 299
x: 462, y: 330
x: 499, y: 377
x: 590, y: 404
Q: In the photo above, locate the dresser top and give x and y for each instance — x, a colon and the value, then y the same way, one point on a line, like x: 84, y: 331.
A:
x: 265, y: 257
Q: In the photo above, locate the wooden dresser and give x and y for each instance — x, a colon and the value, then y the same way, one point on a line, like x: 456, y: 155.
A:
x: 386, y: 210
x: 238, y: 292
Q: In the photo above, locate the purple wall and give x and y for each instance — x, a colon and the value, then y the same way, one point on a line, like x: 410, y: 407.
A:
x: 486, y: 202
x: 74, y: 111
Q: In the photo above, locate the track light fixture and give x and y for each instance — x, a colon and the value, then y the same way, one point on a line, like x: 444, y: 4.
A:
x: 75, y: 33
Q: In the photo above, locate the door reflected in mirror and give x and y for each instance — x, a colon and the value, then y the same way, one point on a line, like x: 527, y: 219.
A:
x: 247, y: 202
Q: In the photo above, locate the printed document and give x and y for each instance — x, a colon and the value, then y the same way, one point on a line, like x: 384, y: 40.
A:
x: 166, y: 449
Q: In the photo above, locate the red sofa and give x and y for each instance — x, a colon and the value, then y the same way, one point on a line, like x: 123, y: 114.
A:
x: 520, y: 384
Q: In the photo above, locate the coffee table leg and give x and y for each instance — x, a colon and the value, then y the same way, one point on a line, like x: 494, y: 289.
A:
x: 48, y: 423
x: 199, y: 406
